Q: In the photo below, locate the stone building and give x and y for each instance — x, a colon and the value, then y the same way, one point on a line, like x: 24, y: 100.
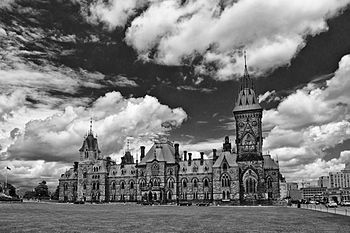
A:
x: 233, y: 175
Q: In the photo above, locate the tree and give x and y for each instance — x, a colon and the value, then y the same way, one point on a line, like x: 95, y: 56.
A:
x: 55, y: 195
x: 29, y: 195
x: 42, y: 190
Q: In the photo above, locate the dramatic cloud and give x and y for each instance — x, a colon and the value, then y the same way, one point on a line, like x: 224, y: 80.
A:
x: 58, y: 137
x: 309, y: 121
x: 53, y: 141
x: 175, y: 32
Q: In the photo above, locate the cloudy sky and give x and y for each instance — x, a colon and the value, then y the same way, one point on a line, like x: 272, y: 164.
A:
x: 153, y: 68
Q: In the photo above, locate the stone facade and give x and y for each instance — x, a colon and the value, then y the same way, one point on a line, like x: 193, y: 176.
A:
x: 232, y: 176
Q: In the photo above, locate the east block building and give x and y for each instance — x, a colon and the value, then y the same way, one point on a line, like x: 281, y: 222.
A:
x: 234, y: 175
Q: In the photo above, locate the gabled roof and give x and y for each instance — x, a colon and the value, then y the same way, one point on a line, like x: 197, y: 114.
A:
x: 269, y: 163
x: 228, y: 156
x: 162, y: 151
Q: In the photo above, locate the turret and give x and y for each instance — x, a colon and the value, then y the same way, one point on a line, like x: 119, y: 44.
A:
x: 89, y: 149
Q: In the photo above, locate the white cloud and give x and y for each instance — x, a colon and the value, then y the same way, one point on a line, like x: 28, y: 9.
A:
x: 309, y: 121
x: 59, y: 136
x: 115, y: 12
x: 272, y: 31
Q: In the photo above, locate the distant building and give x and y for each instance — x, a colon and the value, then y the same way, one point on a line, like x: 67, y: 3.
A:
x: 338, y: 194
x: 323, y: 181
x: 292, y: 186
x: 313, y: 193
x: 163, y: 175
x: 336, y: 179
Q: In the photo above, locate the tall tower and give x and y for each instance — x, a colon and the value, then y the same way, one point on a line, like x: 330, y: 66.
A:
x: 89, y: 149
x: 248, y: 114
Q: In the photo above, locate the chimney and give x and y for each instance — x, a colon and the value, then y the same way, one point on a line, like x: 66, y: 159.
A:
x: 185, y: 155
x: 189, y: 159
x: 202, y: 158
x: 214, y: 155
x: 76, y: 166
x: 142, y: 148
x: 177, y: 155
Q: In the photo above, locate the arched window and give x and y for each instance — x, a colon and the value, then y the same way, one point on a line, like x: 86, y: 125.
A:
x: 225, y: 181
x: 223, y: 195
x: 227, y: 194
x: 132, y: 185
x: 206, y: 183
x: 195, y: 183
x: 93, y: 186
x: 113, y: 185
x: 250, y: 185
x: 65, y: 186
x: 142, y: 183
x: 122, y: 185
x: 84, y: 174
x: 184, y: 183
x: 98, y: 186
x: 171, y: 183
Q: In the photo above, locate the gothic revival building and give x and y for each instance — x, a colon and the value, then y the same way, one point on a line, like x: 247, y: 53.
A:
x: 233, y: 175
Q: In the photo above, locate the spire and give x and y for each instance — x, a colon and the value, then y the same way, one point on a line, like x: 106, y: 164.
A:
x: 246, y: 81
x: 247, y: 99
x: 90, y: 131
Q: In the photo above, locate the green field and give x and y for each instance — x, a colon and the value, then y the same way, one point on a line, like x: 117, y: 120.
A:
x: 54, y: 217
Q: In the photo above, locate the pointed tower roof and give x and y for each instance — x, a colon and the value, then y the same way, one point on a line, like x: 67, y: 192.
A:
x: 90, y: 141
x: 247, y: 99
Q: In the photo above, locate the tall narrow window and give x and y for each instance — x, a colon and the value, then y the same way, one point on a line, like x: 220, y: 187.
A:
x: 225, y: 181
x: 206, y: 183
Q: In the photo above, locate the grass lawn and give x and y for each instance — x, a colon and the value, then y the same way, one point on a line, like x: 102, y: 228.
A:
x: 53, y: 217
